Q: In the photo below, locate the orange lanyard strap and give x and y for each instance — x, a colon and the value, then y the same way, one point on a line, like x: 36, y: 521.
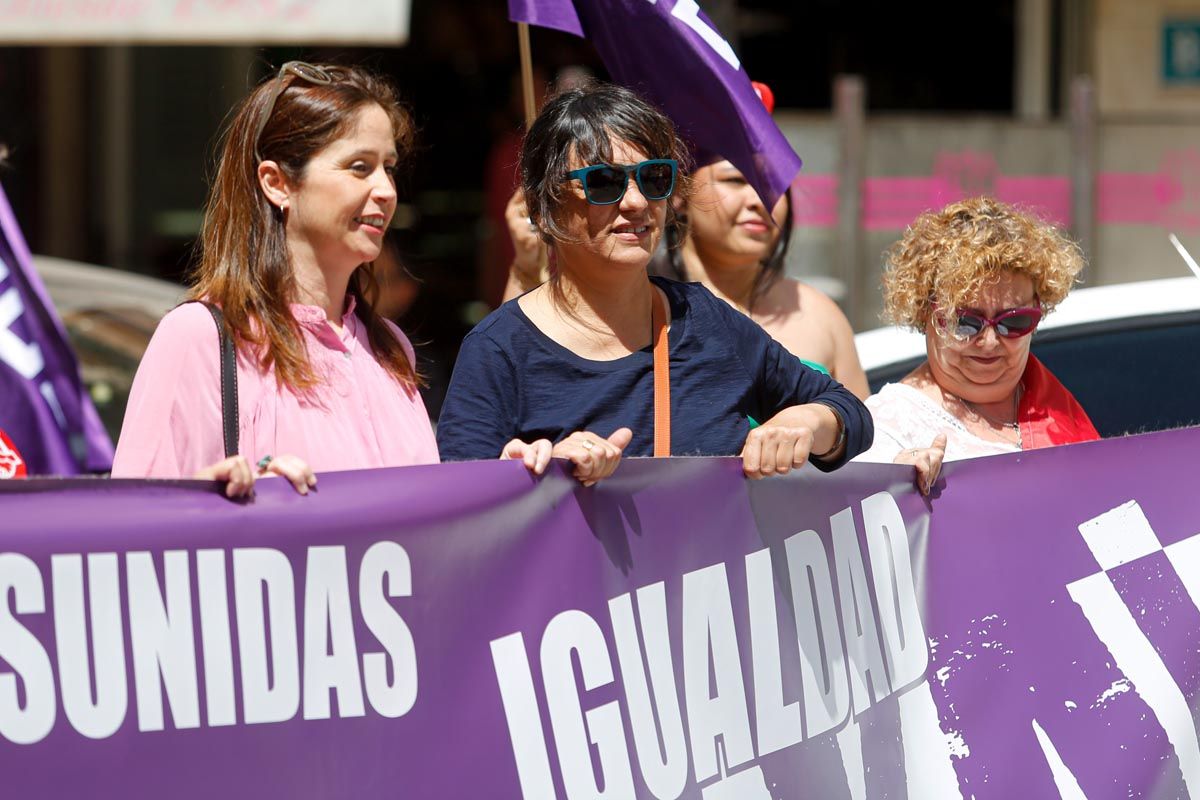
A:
x: 662, y: 380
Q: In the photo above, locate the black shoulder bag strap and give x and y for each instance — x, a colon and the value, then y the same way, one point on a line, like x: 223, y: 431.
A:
x: 229, y: 395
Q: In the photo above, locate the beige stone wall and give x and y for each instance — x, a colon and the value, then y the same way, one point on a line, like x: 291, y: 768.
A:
x: 1147, y: 185
x: 1129, y: 59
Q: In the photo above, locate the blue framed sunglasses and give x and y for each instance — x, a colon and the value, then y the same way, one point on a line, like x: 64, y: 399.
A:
x: 605, y: 184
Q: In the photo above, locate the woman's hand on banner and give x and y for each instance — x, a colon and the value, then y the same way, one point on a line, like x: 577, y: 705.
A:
x: 294, y: 468
x: 776, y: 450
x: 235, y: 471
x: 536, y: 455
x: 238, y: 474
x: 927, y: 460
x: 594, y: 456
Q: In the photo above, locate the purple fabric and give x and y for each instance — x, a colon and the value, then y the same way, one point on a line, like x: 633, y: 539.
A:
x: 44, y: 408
x: 670, y: 53
x: 1054, y: 644
x: 29, y: 422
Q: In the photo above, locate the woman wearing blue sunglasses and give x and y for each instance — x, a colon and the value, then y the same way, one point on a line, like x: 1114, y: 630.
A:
x: 976, y: 278
x: 603, y: 361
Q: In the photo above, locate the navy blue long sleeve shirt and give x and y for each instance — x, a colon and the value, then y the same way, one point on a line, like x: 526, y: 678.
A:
x: 513, y: 381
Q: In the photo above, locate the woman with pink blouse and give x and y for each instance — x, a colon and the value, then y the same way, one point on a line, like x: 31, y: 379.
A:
x: 304, y: 191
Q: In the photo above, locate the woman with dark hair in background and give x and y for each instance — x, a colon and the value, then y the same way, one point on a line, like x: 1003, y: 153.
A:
x: 571, y: 361
x: 729, y: 241
x: 303, y: 194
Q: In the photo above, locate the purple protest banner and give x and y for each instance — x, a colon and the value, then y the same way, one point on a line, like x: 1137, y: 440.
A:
x: 44, y: 407
x: 468, y: 631
x: 670, y: 52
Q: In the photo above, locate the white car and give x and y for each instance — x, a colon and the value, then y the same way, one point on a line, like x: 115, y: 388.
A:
x: 1128, y: 353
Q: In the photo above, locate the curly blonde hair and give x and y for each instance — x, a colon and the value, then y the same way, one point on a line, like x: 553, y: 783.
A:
x: 947, y: 257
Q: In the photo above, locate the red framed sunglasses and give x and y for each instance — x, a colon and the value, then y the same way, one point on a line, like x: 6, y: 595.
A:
x: 1011, y: 324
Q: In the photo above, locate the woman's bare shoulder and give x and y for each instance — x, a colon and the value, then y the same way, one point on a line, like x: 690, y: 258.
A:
x: 800, y: 302
x: 816, y: 300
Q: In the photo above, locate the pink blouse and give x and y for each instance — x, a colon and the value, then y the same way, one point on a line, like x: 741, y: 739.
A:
x: 359, y: 416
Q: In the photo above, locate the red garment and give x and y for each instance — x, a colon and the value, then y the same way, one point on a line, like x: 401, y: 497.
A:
x: 1049, y: 413
x: 11, y: 463
x: 501, y: 178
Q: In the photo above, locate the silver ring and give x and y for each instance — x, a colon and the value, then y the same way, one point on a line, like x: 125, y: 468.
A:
x: 588, y: 444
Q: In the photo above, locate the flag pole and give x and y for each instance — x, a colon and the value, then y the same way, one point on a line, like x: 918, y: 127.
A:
x: 526, y: 72
x: 530, y: 114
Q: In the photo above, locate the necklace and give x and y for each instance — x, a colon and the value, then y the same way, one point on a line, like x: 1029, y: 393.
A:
x: 1004, y: 425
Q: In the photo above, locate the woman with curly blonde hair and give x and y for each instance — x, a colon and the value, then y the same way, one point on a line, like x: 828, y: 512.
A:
x: 976, y: 278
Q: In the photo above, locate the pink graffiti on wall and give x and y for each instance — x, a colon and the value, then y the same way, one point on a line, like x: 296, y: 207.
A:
x: 1169, y: 198
x: 891, y: 203
x: 815, y: 201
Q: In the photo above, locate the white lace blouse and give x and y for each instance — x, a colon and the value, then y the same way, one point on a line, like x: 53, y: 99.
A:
x: 906, y: 418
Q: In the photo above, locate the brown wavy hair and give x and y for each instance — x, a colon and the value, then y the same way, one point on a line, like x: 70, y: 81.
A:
x: 243, y: 263
x: 947, y: 257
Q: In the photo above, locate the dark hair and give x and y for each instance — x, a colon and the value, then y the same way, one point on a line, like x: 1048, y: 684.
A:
x: 243, y: 264
x: 583, y: 122
x: 670, y: 263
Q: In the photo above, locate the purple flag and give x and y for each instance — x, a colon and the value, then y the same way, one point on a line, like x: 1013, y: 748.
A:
x: 44, y: 407
x: 670, y: 53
